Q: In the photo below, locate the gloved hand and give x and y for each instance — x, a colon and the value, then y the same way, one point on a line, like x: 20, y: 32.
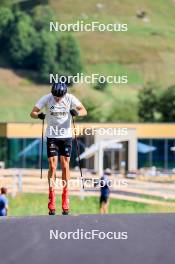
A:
x: 41, y: 116
x: 73, y: 112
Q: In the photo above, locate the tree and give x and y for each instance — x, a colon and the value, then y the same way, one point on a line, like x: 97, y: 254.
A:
x: 6, y: 3
x: 42, y: 15
x: 167, y: 104
x: 22, y: 40
x: 6, y: 17
x: 45, y: 55
x: 148, y: 103
x: 28, y: 5
x: 30, y: 45
x: 69, y: 55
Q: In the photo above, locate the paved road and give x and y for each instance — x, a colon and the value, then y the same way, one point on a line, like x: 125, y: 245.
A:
x: 151, y: 239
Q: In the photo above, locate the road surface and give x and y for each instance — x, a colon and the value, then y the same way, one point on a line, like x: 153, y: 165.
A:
x: 44, y: 239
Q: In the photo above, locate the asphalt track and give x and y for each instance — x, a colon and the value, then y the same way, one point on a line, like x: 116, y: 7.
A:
x: 151, y: 240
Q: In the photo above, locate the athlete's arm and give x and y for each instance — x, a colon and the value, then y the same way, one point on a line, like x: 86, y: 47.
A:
x: 81, y: 110
x: 77, y: 108
x: 37, y: 108
x: 35, y: 112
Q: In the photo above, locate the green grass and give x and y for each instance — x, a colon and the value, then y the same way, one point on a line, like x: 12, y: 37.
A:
x: 36, y: 204
x: 157, y: 198
x: 116, y: 69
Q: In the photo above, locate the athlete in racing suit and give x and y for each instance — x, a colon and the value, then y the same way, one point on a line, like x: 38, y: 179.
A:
x: 59, y: 105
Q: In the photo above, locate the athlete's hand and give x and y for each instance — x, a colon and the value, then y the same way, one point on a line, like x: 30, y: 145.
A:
x: 74, y: 112
x: 41, y: 116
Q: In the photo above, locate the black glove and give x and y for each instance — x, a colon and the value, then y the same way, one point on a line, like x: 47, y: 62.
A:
x: 73, y: 112
x: 41, y: 116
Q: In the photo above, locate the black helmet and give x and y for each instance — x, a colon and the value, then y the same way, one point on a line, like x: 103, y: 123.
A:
x: 59, y: 89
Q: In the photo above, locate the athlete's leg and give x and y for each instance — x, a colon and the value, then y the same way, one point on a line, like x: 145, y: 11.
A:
x: 52, y: 154
x: 101, y: 209
x: 101, y: 205
x: 51, y: 180
x: 106, y: 207
x: 53, y: 161
x: 64, y: 161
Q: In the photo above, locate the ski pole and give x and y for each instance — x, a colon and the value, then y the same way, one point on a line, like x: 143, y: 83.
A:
x: 78, y: 153
x: 42, y: 143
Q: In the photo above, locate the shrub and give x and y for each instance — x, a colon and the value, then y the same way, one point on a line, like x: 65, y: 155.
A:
x: 101, y: 86
x: 167, y: 104
x: 148, y: 103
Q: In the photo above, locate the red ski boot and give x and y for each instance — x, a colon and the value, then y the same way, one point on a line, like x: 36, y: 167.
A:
x: 52, y: 201
x: 65, y: 202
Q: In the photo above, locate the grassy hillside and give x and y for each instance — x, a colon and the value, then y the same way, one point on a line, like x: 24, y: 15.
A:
x: 18, y: 96
x: 145, y: 52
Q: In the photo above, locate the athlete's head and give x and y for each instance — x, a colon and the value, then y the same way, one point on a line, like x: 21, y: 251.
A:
x: 3, y: 190
x: 107, y: 171
x: 59, y: 89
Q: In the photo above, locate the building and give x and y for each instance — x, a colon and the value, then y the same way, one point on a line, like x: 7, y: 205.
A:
x: 141, y: 145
